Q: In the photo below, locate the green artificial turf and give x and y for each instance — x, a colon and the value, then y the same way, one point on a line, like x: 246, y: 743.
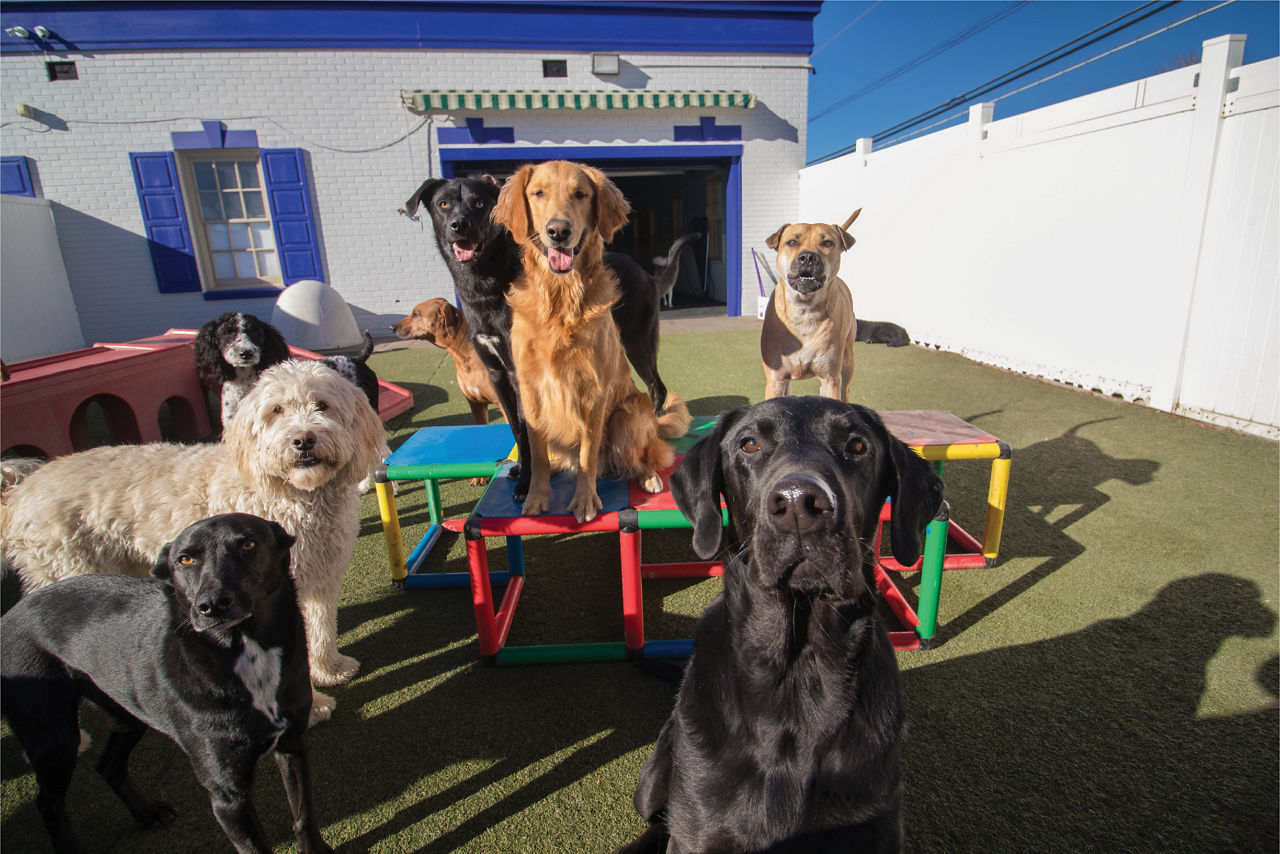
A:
x: 1110, y: 684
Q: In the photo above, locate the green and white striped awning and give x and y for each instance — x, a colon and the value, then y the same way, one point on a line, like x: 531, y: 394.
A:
x: 448, y: 100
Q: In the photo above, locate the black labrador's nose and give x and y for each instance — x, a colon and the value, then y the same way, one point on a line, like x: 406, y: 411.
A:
x: 247, y: 354
x: 213, y: 605
x: 303, y: 441
x: 559, y: 231
x: 802, y: 502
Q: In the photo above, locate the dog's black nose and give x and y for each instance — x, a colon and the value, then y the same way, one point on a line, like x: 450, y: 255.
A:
x: 212, y: 605
x: 801, y: 501
x: 303, y: 441
x: 809, y: 260
x: 246, y: 354
x: 559, y: 231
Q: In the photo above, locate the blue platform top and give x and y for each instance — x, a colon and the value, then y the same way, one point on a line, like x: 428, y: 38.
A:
x: 498, y: 501
x: 471, y: 443
x: 666, y: 26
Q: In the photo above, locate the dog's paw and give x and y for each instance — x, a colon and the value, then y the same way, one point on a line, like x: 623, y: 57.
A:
x: 585, y: 505
x: 339, y: 669
x: 536, y: 503
x: 322, y: 706
x: 154, y: 814
x: 652, y: 483
x: 479, y: 481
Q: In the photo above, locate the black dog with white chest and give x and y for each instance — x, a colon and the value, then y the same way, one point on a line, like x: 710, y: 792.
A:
x: 214, y: 656
x: 785, y: 734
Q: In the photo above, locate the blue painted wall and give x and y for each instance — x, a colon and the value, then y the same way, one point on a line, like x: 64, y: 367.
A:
x: 728, y: 27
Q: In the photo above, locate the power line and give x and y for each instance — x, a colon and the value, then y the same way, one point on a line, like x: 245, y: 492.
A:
x: 1115, y: 25
x: 1077, y: 66
x: 842, y: 30
x: 936, y: 50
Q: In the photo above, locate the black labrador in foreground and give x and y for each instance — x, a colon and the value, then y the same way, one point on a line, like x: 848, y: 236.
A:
x: 484, y: 260
x: 785, y: 734
x: 214, y: 656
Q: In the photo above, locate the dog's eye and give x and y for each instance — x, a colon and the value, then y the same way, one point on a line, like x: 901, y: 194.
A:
x: 537, y: 194
x: 321, y: 406
x: 855, y: 447
x: 277, y: 409
x: 248, y: 546
x: 478, y: 204
x: 793, y: 242
x: 750, y: 445
x: 827, y: 244
x: 186, y: 560
x: 579, y: 194
x: 444, y: 206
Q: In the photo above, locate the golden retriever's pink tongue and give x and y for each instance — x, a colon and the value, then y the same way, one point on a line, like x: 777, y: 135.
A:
x: 559, y: 260
x: 464, y: 250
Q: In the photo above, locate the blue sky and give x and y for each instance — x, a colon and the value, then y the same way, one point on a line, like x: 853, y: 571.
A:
x: 895, y: 59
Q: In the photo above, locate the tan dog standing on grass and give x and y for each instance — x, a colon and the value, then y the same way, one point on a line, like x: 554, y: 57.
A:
x: 578, y: 399
x: 809, y: 324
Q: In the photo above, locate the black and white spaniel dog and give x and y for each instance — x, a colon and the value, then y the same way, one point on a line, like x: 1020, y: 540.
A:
x: 231, y: 351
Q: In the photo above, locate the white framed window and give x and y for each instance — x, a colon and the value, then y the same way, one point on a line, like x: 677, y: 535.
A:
x: 224, y: 193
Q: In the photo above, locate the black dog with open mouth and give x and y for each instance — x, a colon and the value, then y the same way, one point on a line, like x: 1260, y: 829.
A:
x: 785, y: 734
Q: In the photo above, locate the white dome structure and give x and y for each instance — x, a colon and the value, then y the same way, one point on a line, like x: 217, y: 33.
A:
x: 312, y: 315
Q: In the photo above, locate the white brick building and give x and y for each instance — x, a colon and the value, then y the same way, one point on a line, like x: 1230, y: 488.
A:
x: 320, y: 96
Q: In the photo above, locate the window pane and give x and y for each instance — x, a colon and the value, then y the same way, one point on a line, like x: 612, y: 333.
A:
x: 218, y: 239
x: 231, y: 204
x: 248, y: 173
x: 210, y: 209
x: 239, y: 236
x: 223, y: 266
x: 267, y: 262
x: 244, y: 265
x: 204, y: 176
x: 262, y: 236
x: 253, y: 204
x: 226, y: 175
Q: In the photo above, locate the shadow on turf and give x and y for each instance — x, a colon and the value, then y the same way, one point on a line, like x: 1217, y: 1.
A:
x: 1052, y: 485
x: 1095, y: 740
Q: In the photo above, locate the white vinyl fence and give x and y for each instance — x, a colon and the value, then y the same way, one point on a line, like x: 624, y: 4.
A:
x: 1127, y: 241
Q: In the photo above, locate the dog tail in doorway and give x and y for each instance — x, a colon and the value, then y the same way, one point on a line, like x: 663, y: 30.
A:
x: 669, y: 271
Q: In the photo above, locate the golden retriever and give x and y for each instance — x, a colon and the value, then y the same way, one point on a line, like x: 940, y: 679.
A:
x: 579, y: 400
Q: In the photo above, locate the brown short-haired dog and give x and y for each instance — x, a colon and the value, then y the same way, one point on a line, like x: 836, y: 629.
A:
x: 438, y: 322
x: 579, y: 401
x: 809, y: 325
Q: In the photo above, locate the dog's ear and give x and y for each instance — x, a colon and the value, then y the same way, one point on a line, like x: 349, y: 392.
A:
x: 427, y: 189
x: 917, y: 495
x: 512, y: 210
x: 491, y: 181
x: 845, y: 237
x: 274, y: 348
x: 696, y: 486
x: 284, y: 540
x: 452, y: 320
x: 611, y: 207
x: 160, y: 569
x: 774, y: 239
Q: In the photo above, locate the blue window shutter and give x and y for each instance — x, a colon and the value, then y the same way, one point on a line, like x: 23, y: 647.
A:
x: 165, y: 221
x: 292, y: 215
x: 15, y: 177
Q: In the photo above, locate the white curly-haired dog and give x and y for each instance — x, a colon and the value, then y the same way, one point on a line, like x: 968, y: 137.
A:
x: 303, y: 439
